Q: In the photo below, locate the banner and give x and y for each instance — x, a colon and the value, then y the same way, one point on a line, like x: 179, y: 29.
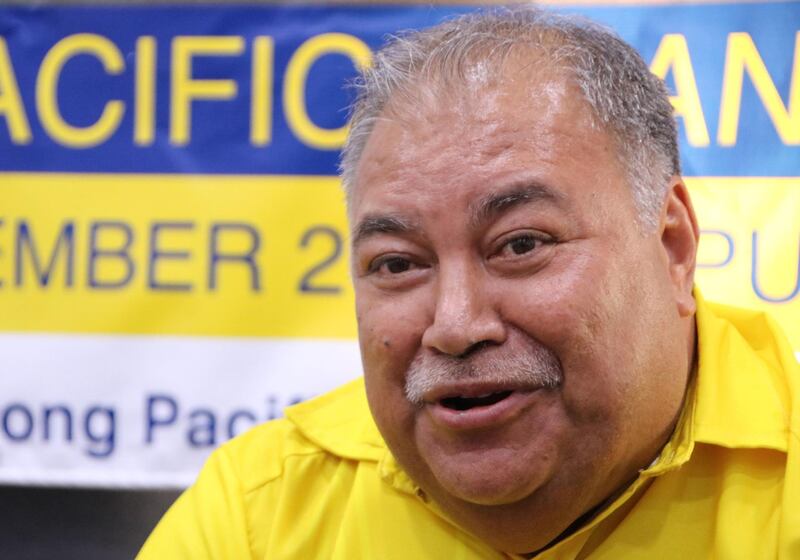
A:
x: 173, y: 238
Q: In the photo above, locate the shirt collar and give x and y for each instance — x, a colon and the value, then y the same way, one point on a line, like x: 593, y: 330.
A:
x: 340, y: 422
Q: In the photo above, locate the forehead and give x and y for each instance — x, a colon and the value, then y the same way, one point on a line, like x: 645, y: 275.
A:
x: 461, y: 143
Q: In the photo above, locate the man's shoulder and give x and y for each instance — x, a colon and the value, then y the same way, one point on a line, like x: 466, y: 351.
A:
x: 739, y: 337
x: 748, y: 379
x: 270, y: 479
x: 760, y: 331
x: 336, y: 424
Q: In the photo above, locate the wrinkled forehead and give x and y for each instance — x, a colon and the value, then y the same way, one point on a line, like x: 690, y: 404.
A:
x: 460, y: 148
x: 488, y: 110
x: 515, y: 82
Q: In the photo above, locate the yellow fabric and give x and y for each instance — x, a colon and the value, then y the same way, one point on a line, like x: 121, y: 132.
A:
x: 321, y: 483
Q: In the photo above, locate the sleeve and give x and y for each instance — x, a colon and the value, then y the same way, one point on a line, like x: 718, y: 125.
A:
x: 207, y: 521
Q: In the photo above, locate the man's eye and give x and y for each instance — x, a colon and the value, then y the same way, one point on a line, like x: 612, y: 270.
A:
x: 392, y: 265
x: 522, y: 245
x: 397, y: 265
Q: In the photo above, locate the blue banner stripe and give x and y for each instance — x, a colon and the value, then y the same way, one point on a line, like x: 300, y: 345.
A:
x: 220, y: 137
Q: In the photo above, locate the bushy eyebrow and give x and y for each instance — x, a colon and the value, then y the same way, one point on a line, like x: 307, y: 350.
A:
x: 497, y: 203
x: 482, y: 211
x: 373, y: 224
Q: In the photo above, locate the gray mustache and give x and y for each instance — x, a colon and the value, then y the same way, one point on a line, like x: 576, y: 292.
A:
x: 535, y: 368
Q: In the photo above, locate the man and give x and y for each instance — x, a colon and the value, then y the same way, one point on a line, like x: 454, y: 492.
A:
x: 543, y: 378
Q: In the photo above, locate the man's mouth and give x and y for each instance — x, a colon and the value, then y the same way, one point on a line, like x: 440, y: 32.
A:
x: 460, y: 403
x: 478, y: 407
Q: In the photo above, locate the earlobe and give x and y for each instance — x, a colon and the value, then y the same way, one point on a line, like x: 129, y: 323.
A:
x: 679, y: 238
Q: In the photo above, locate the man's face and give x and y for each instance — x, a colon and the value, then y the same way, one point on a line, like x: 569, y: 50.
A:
x: 521, y: 343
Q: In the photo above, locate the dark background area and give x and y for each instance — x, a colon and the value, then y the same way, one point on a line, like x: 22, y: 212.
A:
x: 77, y: 524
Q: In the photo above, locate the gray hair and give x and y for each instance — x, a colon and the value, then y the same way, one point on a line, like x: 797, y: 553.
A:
x: 626, y: 99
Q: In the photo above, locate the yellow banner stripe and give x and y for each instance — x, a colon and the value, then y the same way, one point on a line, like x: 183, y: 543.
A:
x: 750, y: 244
x: 175, y: 254
x: 268, y: 255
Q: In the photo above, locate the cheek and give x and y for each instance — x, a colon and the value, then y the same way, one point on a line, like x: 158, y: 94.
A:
x: 567, y: 306
x: 579, y: 311
x: 608, y: 320
x: 390, y: 333
x: 388, y: 329
x: 389, y: 336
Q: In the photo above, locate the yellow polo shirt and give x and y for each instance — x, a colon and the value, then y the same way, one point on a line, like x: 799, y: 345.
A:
x: 322, y: 484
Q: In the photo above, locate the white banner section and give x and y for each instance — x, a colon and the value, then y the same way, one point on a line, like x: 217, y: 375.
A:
x: 142, y: 411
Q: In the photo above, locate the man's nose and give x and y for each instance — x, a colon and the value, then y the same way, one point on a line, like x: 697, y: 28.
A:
x: 466, y: 313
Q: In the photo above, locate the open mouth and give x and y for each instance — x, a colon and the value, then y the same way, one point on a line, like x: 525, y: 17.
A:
x: 468, y: 403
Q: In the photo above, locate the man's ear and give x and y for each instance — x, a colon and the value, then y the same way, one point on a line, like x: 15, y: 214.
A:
x: 679, y: 237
